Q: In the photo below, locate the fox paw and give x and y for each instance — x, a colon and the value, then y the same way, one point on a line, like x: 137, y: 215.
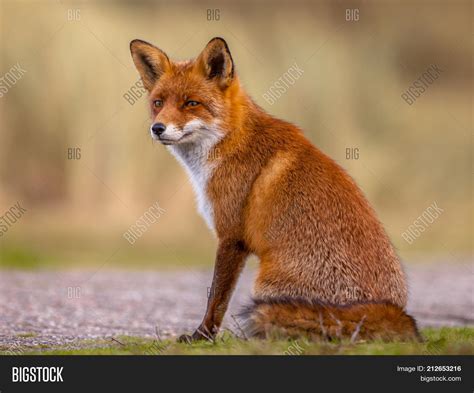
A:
x: 196, y: 336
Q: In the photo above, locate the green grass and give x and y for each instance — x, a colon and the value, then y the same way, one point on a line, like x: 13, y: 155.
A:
x: 70, y: 254
x: 444, y: 341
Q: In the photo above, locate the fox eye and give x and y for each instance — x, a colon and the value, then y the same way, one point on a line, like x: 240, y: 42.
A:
x: 158, y: 103
x: 191, y: 103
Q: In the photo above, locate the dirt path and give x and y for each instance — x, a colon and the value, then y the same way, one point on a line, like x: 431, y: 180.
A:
x: 41, y: 308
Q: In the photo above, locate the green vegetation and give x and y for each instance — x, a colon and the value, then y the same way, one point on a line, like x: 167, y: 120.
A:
x: 444, y: 341
x: 69, y: 251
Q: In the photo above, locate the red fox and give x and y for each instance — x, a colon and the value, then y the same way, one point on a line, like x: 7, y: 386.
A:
x: 327, y: 269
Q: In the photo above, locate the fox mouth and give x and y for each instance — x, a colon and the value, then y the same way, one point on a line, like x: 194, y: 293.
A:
x: 168, y: 141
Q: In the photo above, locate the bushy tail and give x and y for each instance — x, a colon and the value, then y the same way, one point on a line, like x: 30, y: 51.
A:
x: 359, y: 321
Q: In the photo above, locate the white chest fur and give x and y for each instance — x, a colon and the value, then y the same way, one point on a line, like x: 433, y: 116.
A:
x: 194, y: 157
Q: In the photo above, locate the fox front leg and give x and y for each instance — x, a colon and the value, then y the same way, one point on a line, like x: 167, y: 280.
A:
x: 230, y: 260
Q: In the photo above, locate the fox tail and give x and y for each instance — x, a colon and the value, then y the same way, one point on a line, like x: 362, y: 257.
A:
x: 299, y: 317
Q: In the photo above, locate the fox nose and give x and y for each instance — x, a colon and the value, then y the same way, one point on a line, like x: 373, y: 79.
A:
x: 158, y: 128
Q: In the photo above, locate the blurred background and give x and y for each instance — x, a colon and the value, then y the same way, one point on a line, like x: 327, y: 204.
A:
x: 76, y: 92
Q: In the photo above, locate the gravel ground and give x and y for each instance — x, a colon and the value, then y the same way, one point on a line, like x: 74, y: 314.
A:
x: 43, y: 308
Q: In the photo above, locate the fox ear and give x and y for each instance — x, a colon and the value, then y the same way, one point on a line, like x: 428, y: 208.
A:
x: 215, y: 62
x: 150, y: 61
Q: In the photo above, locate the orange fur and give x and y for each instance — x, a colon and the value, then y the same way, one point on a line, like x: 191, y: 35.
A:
x: 317, y: 321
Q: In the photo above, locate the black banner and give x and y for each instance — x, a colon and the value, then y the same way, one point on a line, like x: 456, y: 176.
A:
x: 236, y: 373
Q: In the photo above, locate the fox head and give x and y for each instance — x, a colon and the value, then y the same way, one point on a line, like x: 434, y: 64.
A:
x: 189, y: 100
